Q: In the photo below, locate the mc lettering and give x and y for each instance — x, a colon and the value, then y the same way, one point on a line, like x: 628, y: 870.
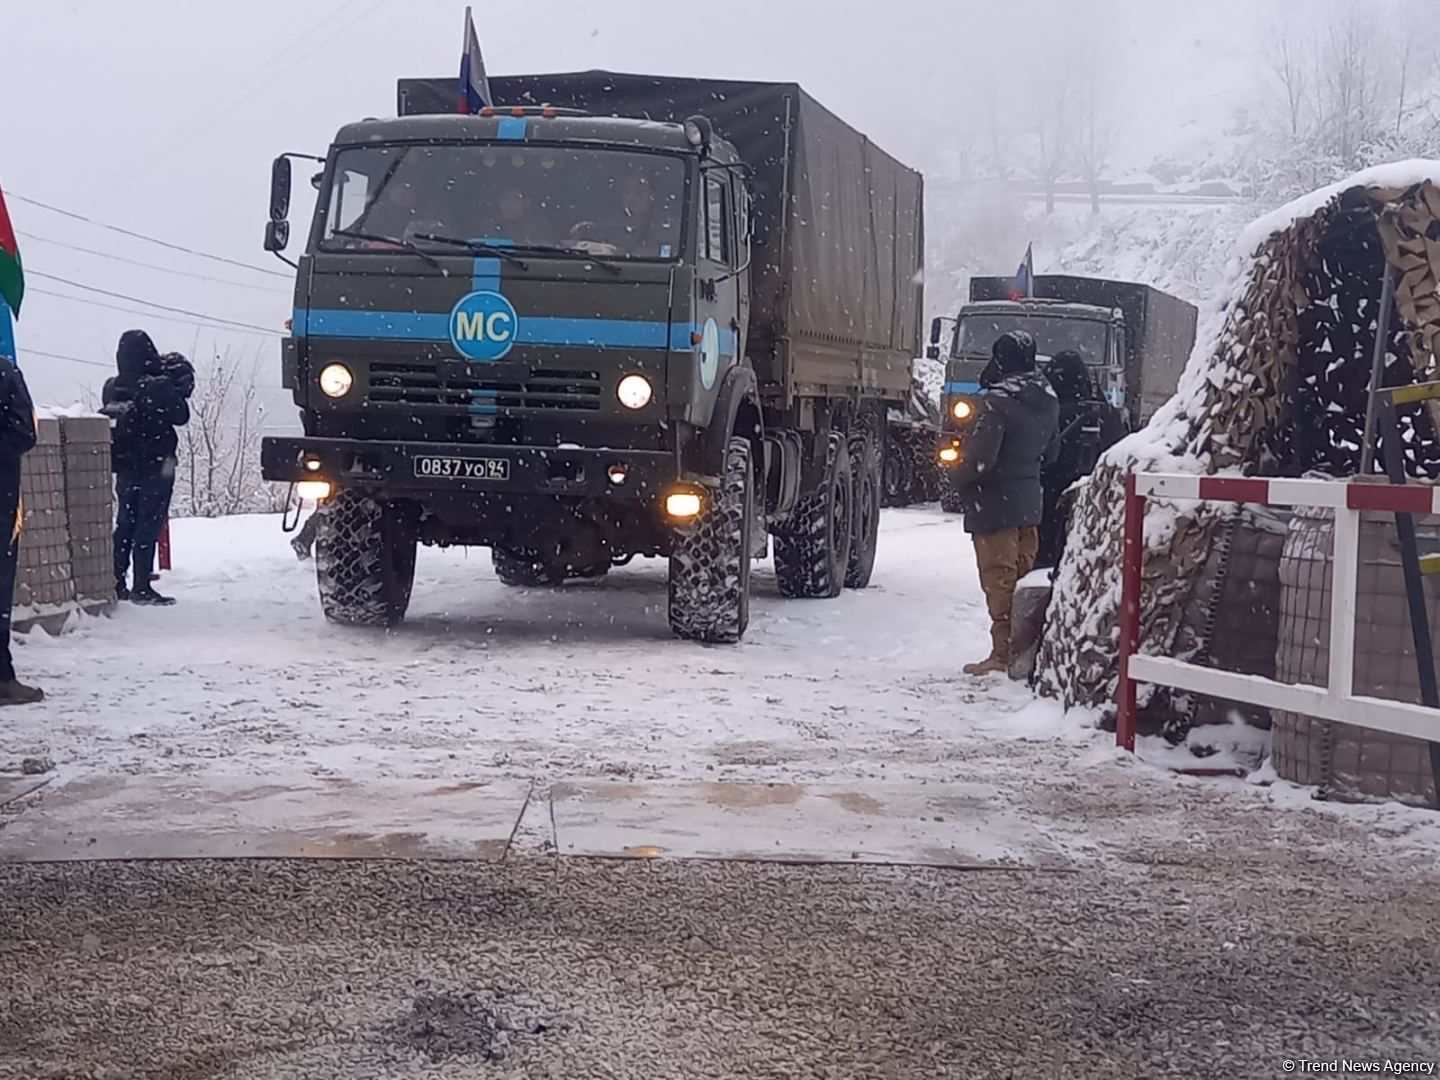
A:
x: 483, y: 326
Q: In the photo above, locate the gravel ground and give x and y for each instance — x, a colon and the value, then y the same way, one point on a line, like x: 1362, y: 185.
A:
x: 1221, y: 962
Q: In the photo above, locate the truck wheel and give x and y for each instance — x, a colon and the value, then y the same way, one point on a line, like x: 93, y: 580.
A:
x: 897, y: 475
x: 517, y: 571
x: 865, y: 466
x: 710, y: 564
x: 365, y: 561
x: 812, y: 551
x: 950, y: 498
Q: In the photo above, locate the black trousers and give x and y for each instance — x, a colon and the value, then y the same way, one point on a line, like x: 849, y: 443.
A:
x: 9, y: 559
x: 144, y: 506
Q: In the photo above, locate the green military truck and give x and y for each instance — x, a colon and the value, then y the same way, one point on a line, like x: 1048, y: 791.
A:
x: 1135, y: 339
x: 620, y: 315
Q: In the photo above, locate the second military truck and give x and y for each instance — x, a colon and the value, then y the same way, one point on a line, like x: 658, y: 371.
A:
x: 1134, y: 338
x: 620, y: 315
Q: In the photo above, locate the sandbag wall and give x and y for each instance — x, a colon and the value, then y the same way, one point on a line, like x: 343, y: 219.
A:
x: 65, y: 545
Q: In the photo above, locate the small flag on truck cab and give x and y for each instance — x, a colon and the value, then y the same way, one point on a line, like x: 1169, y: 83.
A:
x: 474, y: 86
x: 1024, y: 285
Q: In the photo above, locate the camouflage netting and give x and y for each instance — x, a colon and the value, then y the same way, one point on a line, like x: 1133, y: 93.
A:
x: 1277, y: 386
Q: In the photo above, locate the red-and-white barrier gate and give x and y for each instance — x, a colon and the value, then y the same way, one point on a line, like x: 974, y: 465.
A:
x: 1337, y: 701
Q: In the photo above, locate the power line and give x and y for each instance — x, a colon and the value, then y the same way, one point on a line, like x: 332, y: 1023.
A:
x: 242, y: 93
x: 206, y: 322
x: 151, y: 266
x: 148, y: 303
x: 142, y: 236
x: 62, y: 356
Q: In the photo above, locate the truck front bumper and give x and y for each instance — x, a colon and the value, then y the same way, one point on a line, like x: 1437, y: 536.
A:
x: 403, y: 468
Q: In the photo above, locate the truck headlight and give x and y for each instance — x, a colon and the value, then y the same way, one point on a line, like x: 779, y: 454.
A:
x: 634, y: 391
x: 962, y: 410
x: 336, y: 380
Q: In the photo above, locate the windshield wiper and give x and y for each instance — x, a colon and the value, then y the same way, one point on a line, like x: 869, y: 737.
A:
x: 574, y: 253
x: 404, y: 245
x: 475, y: 246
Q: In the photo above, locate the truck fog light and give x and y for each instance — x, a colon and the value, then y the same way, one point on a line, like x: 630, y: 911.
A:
x: 683, y: 505
x: 617, y: 474
x: 634, y: 391
x: 962, y: 410
x: 336, y: 381
x: 312, y: 464
x: 950, y: 454
x: 313, y: 490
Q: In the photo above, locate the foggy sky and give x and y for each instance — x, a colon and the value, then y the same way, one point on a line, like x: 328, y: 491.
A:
x: 162, y: 116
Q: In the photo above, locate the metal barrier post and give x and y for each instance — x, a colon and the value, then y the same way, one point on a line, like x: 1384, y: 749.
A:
x: 164, y: 547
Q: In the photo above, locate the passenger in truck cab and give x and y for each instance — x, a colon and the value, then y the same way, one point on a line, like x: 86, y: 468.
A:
x: 637, y: 226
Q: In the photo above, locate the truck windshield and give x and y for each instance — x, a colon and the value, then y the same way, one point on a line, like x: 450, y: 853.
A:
x: 591, y: 201
x: 977, y: 332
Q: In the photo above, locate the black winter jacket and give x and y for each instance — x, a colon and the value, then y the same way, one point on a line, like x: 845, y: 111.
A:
x: 17, y: 414
x: 1013, y: 438
x: 146, y: 406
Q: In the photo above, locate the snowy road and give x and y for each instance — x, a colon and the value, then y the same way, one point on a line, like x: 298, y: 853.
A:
x: 583, y: 683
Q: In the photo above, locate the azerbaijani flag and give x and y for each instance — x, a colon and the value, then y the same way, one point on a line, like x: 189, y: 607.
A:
x: 12, y: 274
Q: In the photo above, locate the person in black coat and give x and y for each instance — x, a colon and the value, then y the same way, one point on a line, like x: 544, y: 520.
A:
x: 1089, y: 426
x: 17, y: 438
x: 998, y: 480
x: 147, y: 401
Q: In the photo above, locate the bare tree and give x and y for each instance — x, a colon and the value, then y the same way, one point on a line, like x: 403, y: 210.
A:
x: 1290, y: 66
x: 1050, y: 111
x: 1096, y: 128
x: 219, y: 471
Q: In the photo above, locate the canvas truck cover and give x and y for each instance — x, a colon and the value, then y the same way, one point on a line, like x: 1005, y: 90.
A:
x: 836, y: 293
x: 1160, y: 328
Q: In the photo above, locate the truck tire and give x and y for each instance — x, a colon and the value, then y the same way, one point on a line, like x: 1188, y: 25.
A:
x: 812, y: 550
x: 365, y: 561
x: 710, y: 564
x: 517, y: 571
x: 949, y: 498
x: 898, y: 473
x: 866, y: 472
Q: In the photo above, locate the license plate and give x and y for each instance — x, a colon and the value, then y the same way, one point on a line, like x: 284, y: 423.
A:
x: 449, y: 468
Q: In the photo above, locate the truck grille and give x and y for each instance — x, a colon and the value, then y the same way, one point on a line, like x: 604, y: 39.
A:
x: 412, y: 384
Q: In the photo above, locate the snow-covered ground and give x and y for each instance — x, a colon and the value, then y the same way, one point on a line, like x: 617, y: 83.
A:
x: 245, y: 677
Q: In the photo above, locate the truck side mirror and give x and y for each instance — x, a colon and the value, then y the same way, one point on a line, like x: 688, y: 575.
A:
x: 932, y: 352
x: 280, y: 189
x: 934, y: 332
x: 277, y: 236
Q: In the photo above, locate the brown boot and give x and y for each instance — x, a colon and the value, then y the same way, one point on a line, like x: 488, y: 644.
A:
x: 17, y: 693
x: 999, y: 659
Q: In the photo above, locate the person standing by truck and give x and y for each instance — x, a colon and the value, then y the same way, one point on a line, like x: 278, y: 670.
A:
x: 1089, y: 426
x: 147, y: 401
x: 998, y: 480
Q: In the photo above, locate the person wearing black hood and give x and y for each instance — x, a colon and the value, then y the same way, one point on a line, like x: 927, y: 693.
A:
x: 147, y: 401
x: 998, y: 480
x: 1089, y: 425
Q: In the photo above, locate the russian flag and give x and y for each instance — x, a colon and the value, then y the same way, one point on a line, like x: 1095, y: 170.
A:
x: 1024, y: 285
x: 474, y: 86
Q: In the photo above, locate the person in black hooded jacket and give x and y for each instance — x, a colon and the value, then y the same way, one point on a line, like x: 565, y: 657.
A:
x: 998, y: 480
x: 146, y: 399
x: 1089, y: 426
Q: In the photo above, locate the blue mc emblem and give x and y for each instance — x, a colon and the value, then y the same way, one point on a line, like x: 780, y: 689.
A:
x: 483, y: 326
